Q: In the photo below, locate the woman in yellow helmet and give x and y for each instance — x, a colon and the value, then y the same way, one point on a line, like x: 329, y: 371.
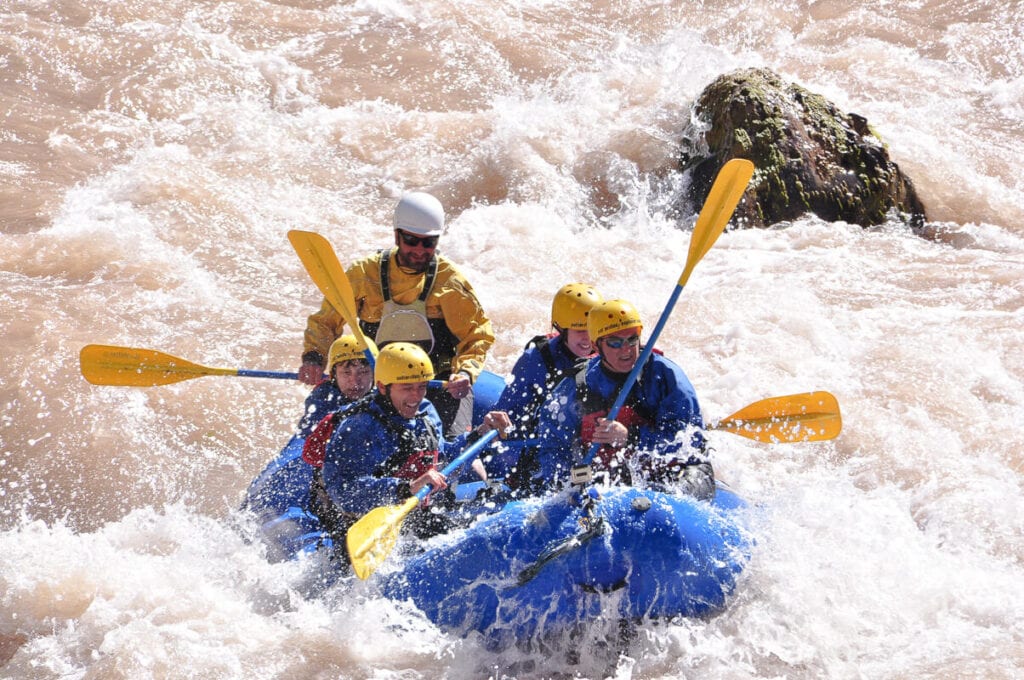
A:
x: 549, y: 358
x: 542, y: 365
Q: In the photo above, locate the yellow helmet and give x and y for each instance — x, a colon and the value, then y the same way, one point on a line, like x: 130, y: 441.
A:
x: 572, y: 304
x: 402, y: 362
x: 346, y: 348
x: 612, y: 316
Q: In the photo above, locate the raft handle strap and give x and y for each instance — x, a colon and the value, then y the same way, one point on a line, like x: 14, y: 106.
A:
x: 561, y: 548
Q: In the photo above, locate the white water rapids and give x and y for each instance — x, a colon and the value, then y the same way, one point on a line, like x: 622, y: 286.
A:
x: 153, y: 157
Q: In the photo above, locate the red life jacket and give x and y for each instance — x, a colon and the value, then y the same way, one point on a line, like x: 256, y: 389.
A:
x: 414, y: 456
x: 594, y: 406
x: 315, y: 446
x: 415, y: 465
x: 628, y: 416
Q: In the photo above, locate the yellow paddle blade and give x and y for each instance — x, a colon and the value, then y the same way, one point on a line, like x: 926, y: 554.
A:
x: 373, y: 537
x: 811, y: 416
x: 133, y: 367
x: 323, y: 266
x: 725, y: 193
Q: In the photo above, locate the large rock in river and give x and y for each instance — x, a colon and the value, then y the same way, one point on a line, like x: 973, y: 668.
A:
x: 810, y: 157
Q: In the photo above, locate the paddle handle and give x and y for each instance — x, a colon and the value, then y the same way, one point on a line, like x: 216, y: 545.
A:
x: 469, y: 454
x: 637, y: 367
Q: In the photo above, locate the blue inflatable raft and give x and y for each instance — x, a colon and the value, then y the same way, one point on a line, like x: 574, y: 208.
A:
x: 541, y: 568
x: 529, y: 569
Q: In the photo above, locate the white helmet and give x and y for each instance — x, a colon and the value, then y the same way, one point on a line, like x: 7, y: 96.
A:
x: 419, y: 213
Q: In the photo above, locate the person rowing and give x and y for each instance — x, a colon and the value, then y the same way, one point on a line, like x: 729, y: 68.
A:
x: 657, y: 437
x: 388, y: 445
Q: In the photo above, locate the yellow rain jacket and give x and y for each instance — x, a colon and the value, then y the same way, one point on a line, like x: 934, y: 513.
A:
x: 462, y: 332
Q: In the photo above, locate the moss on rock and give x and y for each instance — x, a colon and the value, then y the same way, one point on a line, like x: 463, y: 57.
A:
x: 810, y: 157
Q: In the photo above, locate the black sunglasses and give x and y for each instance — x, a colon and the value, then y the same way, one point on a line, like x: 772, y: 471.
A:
x: 428, y: 242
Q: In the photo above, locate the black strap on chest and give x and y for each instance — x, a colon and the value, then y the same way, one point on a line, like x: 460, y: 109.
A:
x: 445, y: 342
x: 591, y: 401
x: 543, y: 345
x: 409, y: 443
x: 553, y: 374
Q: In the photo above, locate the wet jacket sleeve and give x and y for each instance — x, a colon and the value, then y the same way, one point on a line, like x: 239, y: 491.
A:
x: 322, y: 400
x: 558, y: 434
x: 322, y: 328
x: 467, y: 321
x: 529, y: 376
x: 673, y: 401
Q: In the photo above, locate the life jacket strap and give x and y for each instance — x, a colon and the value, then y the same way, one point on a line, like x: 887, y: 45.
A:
x: 385, y: 280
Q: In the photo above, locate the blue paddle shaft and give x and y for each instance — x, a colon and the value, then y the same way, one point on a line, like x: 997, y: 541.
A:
x: 246, y: 373
x: 637, y: 367
x: 469, y: 454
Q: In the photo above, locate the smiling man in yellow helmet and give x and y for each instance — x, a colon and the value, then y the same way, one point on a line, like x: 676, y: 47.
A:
x: 389, y: 445
x: 411, y: 293
x: 657, y: 438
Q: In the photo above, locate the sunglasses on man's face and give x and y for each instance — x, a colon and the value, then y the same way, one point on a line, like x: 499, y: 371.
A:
x: 616, y: 341
x: 428, y: 242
